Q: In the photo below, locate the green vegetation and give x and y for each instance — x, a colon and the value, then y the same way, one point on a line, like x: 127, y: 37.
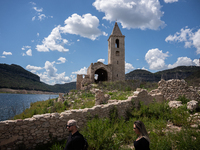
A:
x: 116, y: 133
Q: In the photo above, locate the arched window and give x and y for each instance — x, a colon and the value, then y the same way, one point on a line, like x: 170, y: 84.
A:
x: 117, y: 43
x: 117, y: 53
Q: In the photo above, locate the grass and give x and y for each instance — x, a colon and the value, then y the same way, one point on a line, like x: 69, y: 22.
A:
x: 116, y: 133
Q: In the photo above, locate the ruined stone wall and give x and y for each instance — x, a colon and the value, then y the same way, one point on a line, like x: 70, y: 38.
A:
x: 174, y: 88
x: 78, y: 81
x: 42, y: 128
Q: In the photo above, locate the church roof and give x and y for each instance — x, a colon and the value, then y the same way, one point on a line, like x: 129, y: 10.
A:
x: 116, y: 30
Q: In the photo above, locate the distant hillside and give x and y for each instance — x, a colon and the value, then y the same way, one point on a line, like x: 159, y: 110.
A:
x: 181, y: 72
x: 16, y: 77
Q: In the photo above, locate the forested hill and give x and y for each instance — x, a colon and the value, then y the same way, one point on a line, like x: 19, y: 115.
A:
x: 16, y: 77
x: 181, y: 72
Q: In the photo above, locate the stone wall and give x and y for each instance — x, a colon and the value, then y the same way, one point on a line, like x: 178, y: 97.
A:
x: 174, y: 88
x: 42, y: 128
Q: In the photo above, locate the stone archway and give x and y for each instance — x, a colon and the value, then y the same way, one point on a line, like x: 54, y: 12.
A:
x: 102, y: 75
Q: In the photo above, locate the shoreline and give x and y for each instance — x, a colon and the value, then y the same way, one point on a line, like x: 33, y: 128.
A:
x: 13, y: 91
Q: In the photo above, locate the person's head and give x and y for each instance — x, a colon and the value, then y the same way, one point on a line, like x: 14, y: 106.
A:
x: 72, y: 126
x: 140, y: 129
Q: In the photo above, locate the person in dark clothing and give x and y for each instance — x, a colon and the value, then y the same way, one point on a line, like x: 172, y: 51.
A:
x: 75, y: 140
x: 142, y: 142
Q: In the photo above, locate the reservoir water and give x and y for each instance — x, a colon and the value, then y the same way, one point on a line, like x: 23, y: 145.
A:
x: 13, y: 104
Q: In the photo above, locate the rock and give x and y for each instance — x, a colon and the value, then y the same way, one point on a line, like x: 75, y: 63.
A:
x: 175, y: 104
x: 192, y: 105
x: 61, y: 98
x: 100, y: 98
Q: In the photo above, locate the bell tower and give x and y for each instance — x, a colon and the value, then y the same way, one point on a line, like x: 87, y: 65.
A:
x: 116, y: 54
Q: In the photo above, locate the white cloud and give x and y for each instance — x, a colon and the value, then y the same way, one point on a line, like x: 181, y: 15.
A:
x: 156, y: 59
x: 85, y: 26
x: 81, y: 71
x: 29, y: 52
x: 61, y: 78
x: 62, y: 60
x: 39, y: 14
x: 128, y: 67
x: 143, y: 68
x: 53, y: 42
x: 33, y: 68
x: 143, y: 14
x: 7, y: 53
x: 26, y: 47
x: 182, y: 61
x: 38, y: 34
x: 186, y: 35
x: 41, y: 17
x: 3, y: 56
x: 38, y: 10
x: 196, y: 62
x: 33, y: 3
x: 101, y: 60
x: 51, y: 70
x: 196, y: 41
x: 170, y: 1
x: 78, y: 40
x: 33, y: 18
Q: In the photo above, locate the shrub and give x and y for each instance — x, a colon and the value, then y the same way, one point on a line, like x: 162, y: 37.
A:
x: 183, y: 99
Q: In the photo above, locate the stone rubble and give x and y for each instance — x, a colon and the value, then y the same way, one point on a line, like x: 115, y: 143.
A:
x: 43, y: 128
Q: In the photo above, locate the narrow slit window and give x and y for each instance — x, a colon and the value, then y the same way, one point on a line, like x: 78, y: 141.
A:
x: 117, y: 53
x: 117, y: 43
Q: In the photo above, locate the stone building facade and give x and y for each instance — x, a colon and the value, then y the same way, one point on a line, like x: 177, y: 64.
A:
x: 115, y: 70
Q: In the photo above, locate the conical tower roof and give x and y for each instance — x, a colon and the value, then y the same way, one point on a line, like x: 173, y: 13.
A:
x: 116, y: 30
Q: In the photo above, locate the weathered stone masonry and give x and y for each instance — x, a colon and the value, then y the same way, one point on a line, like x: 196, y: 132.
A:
x: 40, y: 128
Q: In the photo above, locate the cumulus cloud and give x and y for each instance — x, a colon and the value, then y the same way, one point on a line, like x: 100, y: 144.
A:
x: 156, y: 59
x: 61, y: 60
x: 7, y: 53
x: 182, y: 61
x: 53, y: 42
x: 170, y: 1
x: 128, y: 67
x: 51, y: 70
x: 187, y: 36
x: 143, y: 14
x: 85, y: 26
x: 196, y: 61
x: 101, y: 60
x: 50, y: 75
x: 81, y: 71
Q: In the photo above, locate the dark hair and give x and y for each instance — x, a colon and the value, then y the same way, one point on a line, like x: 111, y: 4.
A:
x: 141, y: 127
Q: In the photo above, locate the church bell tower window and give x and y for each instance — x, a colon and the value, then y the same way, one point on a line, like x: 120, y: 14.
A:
x: 117, y: 43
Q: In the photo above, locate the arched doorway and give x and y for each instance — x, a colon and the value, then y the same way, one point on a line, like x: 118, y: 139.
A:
x: 101, y: 75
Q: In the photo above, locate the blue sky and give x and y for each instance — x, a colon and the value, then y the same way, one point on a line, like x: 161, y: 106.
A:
x: 59, y: 39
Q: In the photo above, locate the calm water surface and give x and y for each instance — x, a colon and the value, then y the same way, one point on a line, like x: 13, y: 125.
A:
x: 13, y: 104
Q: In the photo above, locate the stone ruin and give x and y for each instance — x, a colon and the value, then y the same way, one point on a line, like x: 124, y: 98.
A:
x: 37, y: 130
x: 167, y: 91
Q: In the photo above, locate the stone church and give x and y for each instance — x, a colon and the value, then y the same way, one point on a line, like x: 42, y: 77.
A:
x: 115, y: 70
